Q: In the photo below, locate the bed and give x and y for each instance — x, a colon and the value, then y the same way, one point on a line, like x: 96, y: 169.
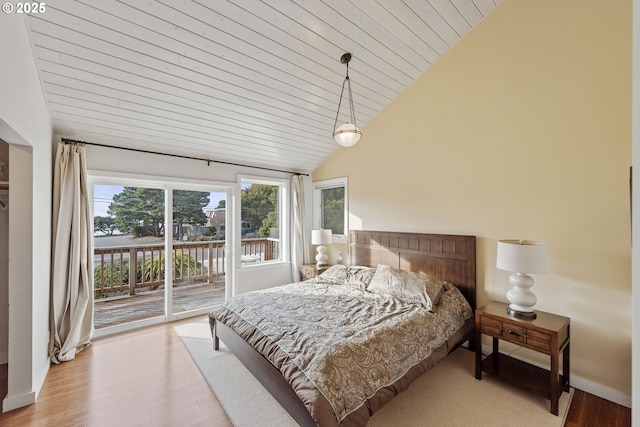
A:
x: 326, y: 390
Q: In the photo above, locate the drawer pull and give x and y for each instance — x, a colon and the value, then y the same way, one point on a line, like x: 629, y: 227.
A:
x: 512, y: 332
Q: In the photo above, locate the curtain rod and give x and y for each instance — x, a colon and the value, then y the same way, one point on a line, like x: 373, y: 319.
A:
x: 209, y: 161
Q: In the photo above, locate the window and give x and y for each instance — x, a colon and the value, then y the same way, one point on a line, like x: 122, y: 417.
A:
x: 262, y: 220
x: 330, y: 207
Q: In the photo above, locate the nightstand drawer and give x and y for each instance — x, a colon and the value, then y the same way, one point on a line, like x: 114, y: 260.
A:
x: 539, y: 340
x: 514, y: 333
x: 490, y: 326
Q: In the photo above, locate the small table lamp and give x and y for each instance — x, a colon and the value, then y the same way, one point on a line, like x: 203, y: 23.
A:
x: 321, y: 238
x: 522, y: 257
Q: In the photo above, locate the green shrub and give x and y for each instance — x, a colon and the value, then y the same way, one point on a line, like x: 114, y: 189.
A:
x: 111, y: 277
x: 154, y: 267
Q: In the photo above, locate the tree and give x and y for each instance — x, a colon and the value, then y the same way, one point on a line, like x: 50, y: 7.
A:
x: 260, y: 207
x: 188, y: 209
x: 269, y: 227
x: 104, y: 224
x: 140, y: 211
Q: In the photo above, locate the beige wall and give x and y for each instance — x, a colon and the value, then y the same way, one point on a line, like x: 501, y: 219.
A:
x: 522, y: 130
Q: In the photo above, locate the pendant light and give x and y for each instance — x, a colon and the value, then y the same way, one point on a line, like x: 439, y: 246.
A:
x: 348, y: 134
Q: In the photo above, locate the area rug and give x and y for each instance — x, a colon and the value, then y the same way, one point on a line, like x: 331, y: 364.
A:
x: 447, y: 395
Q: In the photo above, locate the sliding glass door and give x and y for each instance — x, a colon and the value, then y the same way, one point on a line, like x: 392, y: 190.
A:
x: 159, y: 252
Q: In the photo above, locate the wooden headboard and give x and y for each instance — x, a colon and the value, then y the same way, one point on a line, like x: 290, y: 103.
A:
x: 448, y: 257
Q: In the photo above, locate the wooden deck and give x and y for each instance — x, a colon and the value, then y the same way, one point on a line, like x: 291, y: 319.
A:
x: 143, y: 305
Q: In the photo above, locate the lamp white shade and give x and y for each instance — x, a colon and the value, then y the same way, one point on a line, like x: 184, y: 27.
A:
x: 522, y: 257
x: 347, y: 135
x: 321, y: 237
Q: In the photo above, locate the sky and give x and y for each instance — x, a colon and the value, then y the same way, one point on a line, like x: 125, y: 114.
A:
x: 103, y: 196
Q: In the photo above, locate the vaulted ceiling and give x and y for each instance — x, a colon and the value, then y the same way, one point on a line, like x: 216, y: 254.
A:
x: 248, y: 81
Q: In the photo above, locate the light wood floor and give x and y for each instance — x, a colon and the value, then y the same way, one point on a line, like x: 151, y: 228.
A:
x: 142, y: 378
x: 147, y: 378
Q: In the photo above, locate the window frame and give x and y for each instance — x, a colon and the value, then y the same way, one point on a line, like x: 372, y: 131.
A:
x: 328, y: 184
x: 283, y: 218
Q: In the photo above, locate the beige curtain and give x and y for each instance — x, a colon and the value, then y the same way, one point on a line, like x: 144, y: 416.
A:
x: 300, y: 244
x: 71, y: 279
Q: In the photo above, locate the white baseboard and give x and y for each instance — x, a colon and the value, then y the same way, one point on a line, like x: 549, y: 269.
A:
x: 580, y: 383
x: 18, y: 401
x: 14, y: 402
x: 601, y: 391
x: 40, y: 379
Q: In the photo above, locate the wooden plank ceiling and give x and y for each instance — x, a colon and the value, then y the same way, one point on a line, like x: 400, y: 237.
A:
x: 255, y: 82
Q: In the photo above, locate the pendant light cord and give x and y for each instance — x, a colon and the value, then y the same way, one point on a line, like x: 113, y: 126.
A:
x: 352, y: 110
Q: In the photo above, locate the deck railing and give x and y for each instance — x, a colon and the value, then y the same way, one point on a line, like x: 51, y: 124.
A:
x: 117, y: 267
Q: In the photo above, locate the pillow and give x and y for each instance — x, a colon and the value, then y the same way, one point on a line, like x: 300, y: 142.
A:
x: 401, y: 284
x: 435, y: 289
x: 354, y: 276
x: 335, y: 273
x: 360, y: 276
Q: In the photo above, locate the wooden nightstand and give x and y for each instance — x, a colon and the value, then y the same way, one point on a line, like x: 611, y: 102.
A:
x: 309, y: 271
x: 548, y: 334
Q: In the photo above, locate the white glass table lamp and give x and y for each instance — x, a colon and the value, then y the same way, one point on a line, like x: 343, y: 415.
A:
x: 522, y: 257
x: 321, y: 238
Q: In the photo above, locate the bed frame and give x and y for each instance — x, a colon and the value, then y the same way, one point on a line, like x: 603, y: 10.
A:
x: 449, y: 257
